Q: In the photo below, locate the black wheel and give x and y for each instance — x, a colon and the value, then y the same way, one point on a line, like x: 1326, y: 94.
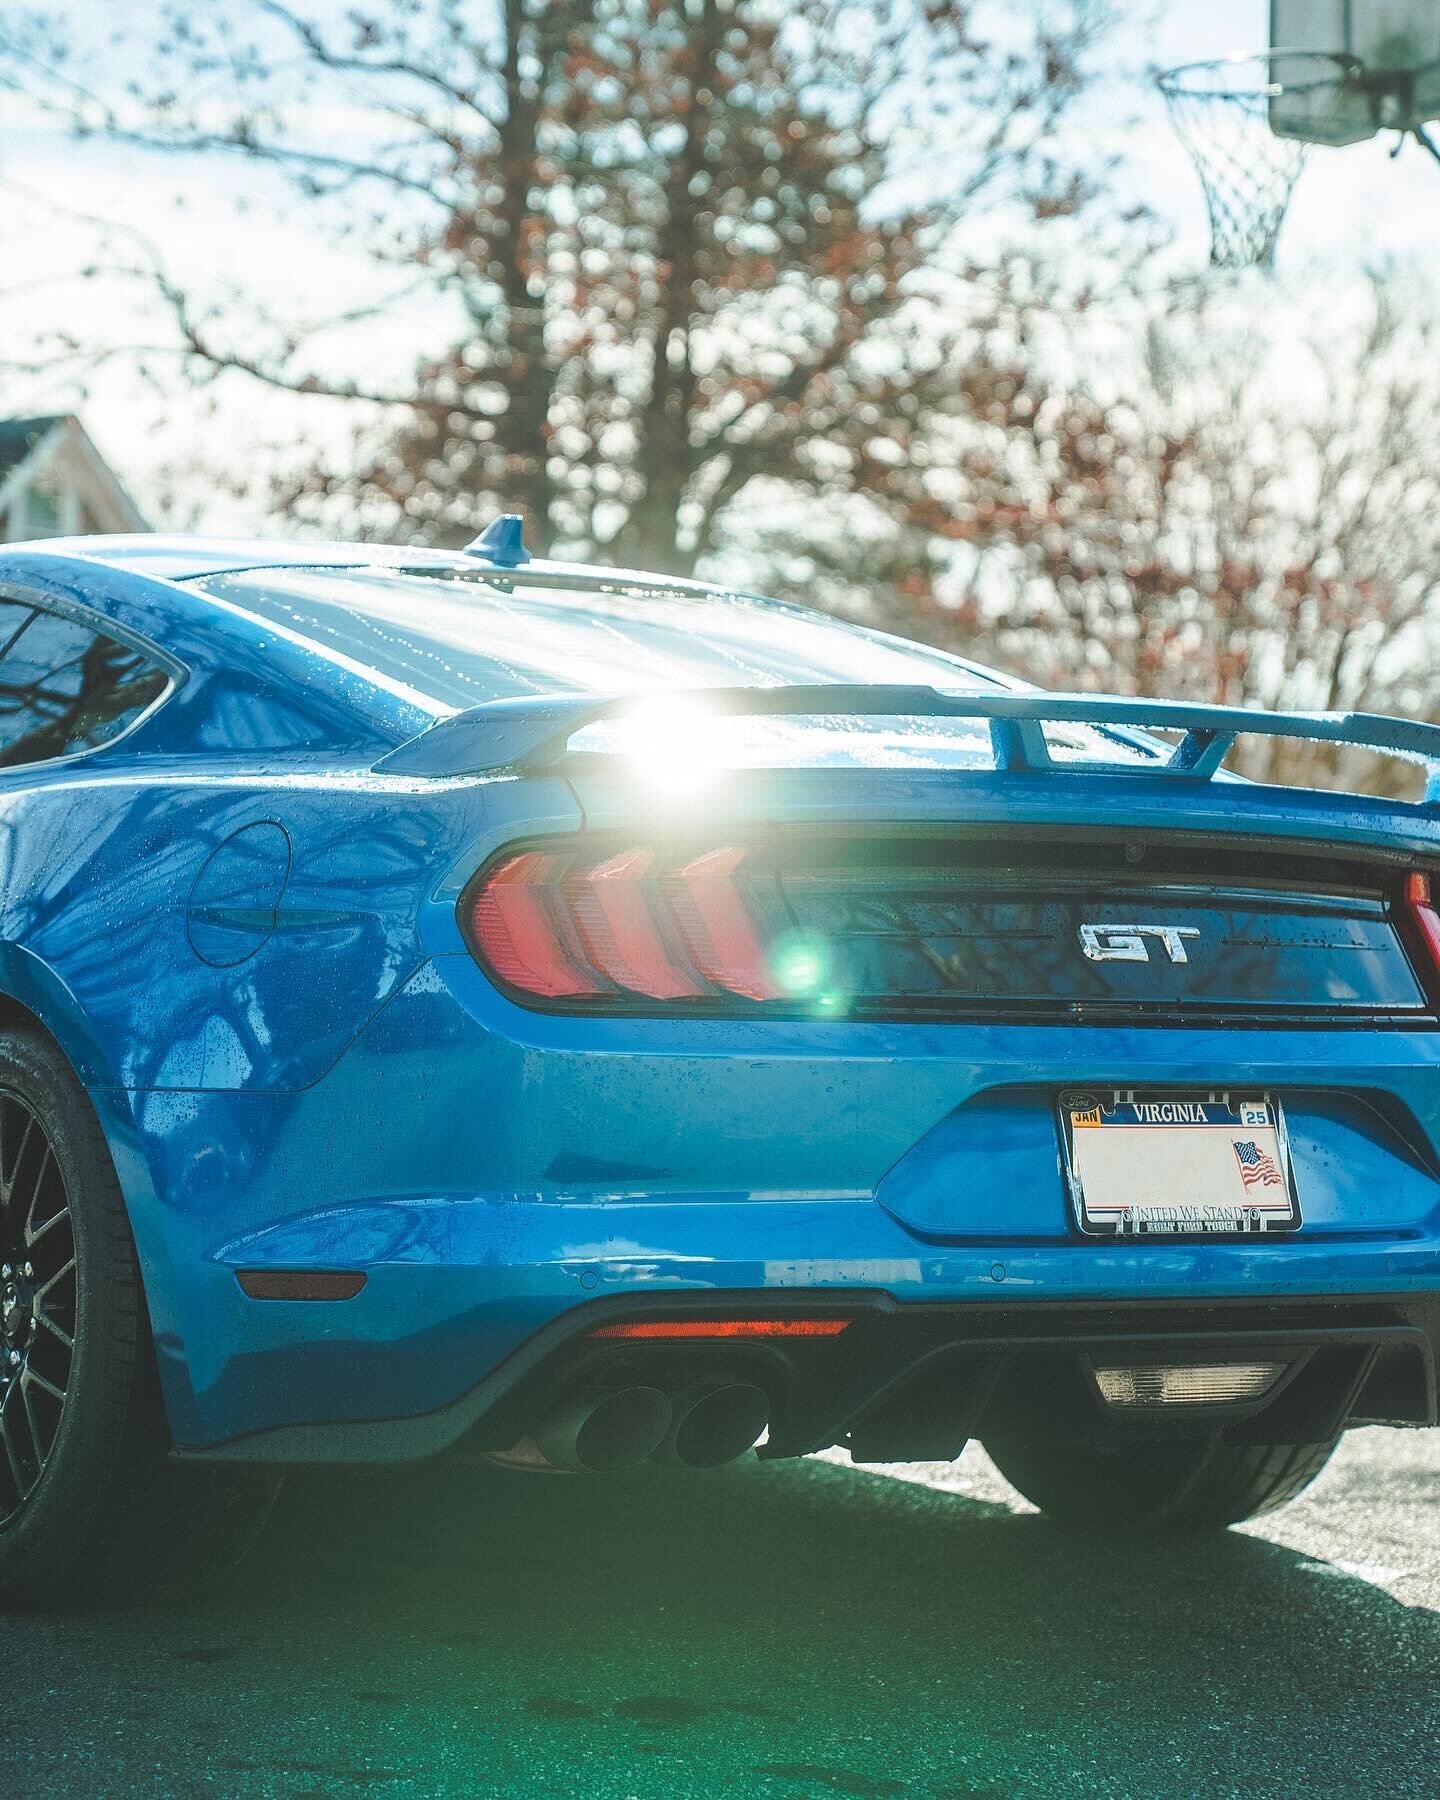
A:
x: 88, y: 1498
x: 1170, y: 1485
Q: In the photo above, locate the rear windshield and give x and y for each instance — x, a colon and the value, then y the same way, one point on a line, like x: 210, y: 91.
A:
x: 465, y: 642
x: 461, y: 643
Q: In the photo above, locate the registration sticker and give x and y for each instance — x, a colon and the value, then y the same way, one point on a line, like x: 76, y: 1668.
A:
x: 1146, y: 1164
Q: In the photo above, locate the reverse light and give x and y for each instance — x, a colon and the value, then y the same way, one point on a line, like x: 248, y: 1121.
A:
x: 1187, y: 1384
x: 722, y: 1328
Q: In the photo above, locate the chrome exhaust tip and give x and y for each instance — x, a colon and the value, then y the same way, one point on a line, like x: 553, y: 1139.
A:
x: 600, y: 1431
x: 712, y: 1423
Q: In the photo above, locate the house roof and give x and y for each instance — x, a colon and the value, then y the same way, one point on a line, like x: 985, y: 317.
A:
x: 49, y: 438
x: 18, y: 437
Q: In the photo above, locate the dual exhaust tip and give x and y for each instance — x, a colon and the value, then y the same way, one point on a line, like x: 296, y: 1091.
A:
x: 695, y: 1427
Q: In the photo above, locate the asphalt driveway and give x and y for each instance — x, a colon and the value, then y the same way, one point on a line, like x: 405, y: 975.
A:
x: 801, y: 1630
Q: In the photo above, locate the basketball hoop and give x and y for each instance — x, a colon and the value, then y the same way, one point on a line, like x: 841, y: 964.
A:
x: 1226, y: 114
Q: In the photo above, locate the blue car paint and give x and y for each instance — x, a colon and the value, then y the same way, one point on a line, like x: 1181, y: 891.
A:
x: 246, y: 941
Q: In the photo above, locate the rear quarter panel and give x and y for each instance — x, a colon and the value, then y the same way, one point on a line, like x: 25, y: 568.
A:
x: 192, y: 960
x: 188, y: 1060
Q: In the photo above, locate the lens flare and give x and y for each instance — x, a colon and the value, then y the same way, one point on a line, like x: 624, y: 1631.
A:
x: 676, y: 750
x: 800, y: 964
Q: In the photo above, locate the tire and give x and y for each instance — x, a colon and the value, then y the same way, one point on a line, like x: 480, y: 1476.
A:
x: 90, y: 1506
x: 1168, y: 1485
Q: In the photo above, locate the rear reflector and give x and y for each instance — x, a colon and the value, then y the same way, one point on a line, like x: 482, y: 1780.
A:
x: 1187, y: 1384
x: 300, y: 1284
x: 723, y: 1328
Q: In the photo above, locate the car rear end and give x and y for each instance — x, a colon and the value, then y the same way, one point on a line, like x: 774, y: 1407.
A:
x: 881, y: 1046
x: 898, y: 1067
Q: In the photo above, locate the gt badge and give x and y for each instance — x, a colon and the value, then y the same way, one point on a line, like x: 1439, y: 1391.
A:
x: 1128, y: 943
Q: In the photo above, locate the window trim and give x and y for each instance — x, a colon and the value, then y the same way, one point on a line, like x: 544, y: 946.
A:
x: 62, y: 607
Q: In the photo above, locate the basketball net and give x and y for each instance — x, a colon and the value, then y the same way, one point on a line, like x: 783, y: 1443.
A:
x: 1221, y: 113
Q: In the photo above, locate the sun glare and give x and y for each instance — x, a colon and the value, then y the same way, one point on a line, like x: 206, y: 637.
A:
x: 675, y: 748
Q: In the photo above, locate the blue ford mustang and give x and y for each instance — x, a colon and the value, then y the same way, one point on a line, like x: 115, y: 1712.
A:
x: 457, y: 1002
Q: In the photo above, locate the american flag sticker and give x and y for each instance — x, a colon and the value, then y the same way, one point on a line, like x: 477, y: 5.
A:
x: 1256, y: 1168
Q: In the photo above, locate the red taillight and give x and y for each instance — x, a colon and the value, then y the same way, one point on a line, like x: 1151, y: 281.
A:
x: 517, y: 919
x: 620, y: 932
x: 563, y: 925
x: 717, y: 928
x: 723, y: 1328
x: 1424, y: 921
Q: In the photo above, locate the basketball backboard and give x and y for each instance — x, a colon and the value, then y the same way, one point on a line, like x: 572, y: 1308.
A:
x: 1386, y: 68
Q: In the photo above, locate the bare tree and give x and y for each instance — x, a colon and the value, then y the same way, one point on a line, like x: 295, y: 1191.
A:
x: 673, y: 246
x: 1242, y: 506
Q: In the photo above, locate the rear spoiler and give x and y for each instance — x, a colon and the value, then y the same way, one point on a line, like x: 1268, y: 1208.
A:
x: 533, y: 732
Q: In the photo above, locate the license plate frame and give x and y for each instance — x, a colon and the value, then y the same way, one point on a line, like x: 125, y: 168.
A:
x: 1241, y: 1165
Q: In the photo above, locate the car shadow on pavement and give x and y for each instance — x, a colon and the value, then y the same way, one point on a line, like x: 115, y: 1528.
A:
x: 793, y: 1629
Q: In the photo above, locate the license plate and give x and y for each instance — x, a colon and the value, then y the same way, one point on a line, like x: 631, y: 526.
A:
x: 1165, y: 1165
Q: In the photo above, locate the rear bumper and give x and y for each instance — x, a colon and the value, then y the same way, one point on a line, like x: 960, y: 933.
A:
x: 460, y: 1291
x: 910, y: 1383
x: 493, y: 1174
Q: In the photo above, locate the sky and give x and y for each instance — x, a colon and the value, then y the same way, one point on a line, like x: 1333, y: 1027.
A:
x: 1352, y: 209
x: 1355, y: 205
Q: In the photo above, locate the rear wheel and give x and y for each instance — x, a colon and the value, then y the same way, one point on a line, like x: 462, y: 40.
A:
x: 89, y: 1503
x: 1171, y: 1485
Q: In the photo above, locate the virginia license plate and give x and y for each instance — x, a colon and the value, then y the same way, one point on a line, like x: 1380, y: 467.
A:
x: 1163, y: 1164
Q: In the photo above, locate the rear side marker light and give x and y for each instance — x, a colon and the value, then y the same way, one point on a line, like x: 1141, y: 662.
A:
x: 300, y: 1284
x: 723, y: 1328
x: 1188, y: 1384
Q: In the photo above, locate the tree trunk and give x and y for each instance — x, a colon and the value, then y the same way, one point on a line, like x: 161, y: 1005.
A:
x: 524, y: 430
x: 651, y: 538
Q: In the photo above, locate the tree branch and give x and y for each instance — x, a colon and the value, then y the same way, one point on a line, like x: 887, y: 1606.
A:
x: 393, y: 66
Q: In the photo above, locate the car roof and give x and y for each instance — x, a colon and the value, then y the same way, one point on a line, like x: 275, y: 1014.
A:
x: 163, y: 603
x: 174, y: 558
x: 186, y: 558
